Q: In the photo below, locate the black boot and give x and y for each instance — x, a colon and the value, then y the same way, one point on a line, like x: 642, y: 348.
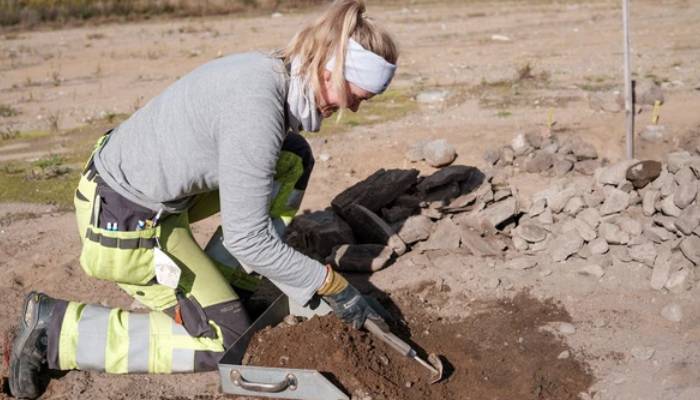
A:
x: 28, y: 362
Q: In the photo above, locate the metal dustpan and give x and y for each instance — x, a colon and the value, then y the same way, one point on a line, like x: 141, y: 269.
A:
x: 281, y: 383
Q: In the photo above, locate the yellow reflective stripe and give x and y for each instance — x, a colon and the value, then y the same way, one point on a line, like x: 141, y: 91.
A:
x: 116, y: 353
x: 160, y: 354
x: 68, y: 341
x: 202, y: 344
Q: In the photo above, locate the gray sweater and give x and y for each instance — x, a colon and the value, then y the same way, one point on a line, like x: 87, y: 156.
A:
x: 219, y: 127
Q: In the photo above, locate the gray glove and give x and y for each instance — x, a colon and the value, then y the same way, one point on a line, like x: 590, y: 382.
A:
x: 352, y: 308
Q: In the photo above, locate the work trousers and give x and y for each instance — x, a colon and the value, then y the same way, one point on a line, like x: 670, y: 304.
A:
x: 188, y: 328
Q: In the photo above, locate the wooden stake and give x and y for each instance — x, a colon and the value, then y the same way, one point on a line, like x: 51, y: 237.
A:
x: 629, y: 104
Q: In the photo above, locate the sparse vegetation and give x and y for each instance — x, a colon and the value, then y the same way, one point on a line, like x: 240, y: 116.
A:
x: 504, y: 114
x: 33, y: 12
x: 7, y: 111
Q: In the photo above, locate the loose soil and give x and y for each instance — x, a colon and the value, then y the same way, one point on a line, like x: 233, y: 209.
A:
x: 499, y: 352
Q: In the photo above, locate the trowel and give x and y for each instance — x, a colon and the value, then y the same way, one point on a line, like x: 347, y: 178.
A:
x: 433, y: 364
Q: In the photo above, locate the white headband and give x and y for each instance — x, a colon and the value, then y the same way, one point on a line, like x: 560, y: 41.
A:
x: 365, y: 69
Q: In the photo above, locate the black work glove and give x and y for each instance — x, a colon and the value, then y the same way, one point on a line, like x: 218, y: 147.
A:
x: 352, y: 308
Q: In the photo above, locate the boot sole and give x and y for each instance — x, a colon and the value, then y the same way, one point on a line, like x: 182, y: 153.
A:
x: 23, y: 335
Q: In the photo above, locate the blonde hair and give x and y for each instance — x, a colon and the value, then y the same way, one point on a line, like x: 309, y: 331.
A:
x: 328, y: 34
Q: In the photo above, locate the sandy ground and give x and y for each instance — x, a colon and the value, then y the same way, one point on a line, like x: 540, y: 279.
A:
x: 71, y: 77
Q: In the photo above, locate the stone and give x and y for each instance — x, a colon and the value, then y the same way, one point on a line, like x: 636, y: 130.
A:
x: 566, y: 328
x: 522, y: 263
x: 684, y: 175
x: 643, y: 172
x: 557, y: 201
x: 678, y: 160
x: 615, y: 202
x: 629, y: 225
x: 648, y: 92
x: 448, y: 175
x: 644, y: 253
x: 615, y: 174
x: 686, y: 194
x: 376, y: 191
x: 598, y: 246
x: 565, y: 245
x: 584, y: 230
x: 446, y: 236
x: 668, y: 206
x: 520, y: 145
x: 507, y: 155
x: 360, y: 257
x: 439, y: 153
x: 668, y: 223
x: 585, y: 253
x: 415, y: 229
x: 657, y: 234
x: 690, y: 247
x: 500, y: 212
x: 539, y: 161
x: 587, y: 167
x: 689, y: 219
x: 502, y: 194
x: 654, y: 133
x: 415, y: 152
x: 476, y: 244
x: 661, y: 271
x: 584, y: 150
x: 635, y: 198
x: 672, y: 312
x: 594, y: 270
x: 591, y: 216
x: 537, y: 207
x: 669, y: 188
x: 562, y: 166
x: 626, y: 187
x: 613, y: 234
x: 649, y: 202
x: 593, y: 199
x: 317, y: 233
x: 564, y: 355
x: 679, y: 281
x: 530, y: 232
x: 546, y: 218
x: 492, y: 156
x: 395, y: 214
x: 432, y: 96
x: 368, y: 227
x: 574, y: 205
x: 642, y: 353
x: 520, y: 244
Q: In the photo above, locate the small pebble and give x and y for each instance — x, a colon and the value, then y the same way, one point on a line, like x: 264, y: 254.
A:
x: 566, y: 328
x: 642, y: 353
x: 545, y: 272
x: 672, y: 312
x: 564, y: 355
x: 384, y: 359
x: 408, y: 384
x: 291, y: 320
x: 324, y: 157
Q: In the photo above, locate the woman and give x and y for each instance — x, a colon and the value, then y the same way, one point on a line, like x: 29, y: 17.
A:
x: 224, y: 138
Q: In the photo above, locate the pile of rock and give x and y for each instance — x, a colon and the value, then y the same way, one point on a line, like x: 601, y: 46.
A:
x: 554, y: 156
x: 631, y: 211
x: 394, y: 211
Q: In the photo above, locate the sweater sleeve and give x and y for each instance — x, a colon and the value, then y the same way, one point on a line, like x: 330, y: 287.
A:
x: 248, y: 150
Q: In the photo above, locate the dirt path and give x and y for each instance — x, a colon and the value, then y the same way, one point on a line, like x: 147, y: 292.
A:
x: 73, y: 76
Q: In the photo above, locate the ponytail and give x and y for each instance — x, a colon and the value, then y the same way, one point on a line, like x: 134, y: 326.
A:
x: 328, y: 36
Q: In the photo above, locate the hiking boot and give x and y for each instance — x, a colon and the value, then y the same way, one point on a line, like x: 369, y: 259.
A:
x: 28, y: 362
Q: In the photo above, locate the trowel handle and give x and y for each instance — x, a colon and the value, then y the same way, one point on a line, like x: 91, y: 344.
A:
x: 389, y: 338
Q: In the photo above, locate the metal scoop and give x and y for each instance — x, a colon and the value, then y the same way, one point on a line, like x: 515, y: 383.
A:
x: 434, y: 364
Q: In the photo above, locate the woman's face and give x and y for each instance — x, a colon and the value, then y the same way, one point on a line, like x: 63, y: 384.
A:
x: 329, y: 100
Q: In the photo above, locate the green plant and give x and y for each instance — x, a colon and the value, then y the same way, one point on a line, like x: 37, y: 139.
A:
x: 7, y: 110
x: 52, y: 160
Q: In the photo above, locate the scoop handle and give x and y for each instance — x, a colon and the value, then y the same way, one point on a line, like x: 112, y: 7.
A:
x: 389, y: 338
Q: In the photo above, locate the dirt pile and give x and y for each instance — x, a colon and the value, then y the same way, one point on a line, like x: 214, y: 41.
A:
x: 504, y: 350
